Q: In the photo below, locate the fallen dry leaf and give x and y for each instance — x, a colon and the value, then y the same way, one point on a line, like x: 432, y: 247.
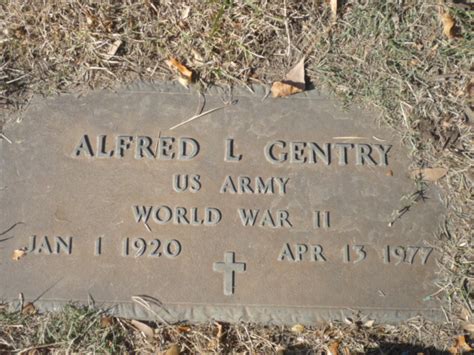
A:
x: 281, y: 89
x: 293, y: 83
x: 297, y: 328
x: 448, y: 25
x: 197, y: 57
x: 106, y: 321
x: 333, y: 349
x: 296, y: 75
x: 184, y: 329
x: 461, y: 347
x: 113, y: 49
x: 28, y: 309
x: 144, y: 328
x: 185, y: 73
x: 220, y: 331
x: 348, y: 321
x: 183, y: 81
x: 465, y: 315
x: 185, y: 13
x: 172, y: 350
x: 470, y: 89
x: 18, y: 254
x: 369, y: 323
x: 89, y: 20
x: 214, y: 343
x: 428, y: 174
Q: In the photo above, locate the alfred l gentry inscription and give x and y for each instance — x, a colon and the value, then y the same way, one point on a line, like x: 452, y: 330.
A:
x: 264, y: 210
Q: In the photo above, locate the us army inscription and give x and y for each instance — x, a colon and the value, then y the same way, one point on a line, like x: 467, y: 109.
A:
x: 262, y: 210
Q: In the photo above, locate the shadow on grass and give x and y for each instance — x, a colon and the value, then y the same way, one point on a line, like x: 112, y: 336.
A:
x: 387, y: 348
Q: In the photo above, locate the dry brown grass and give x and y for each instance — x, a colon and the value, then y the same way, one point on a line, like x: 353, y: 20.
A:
x: 389, y: 54
x: 86, y: 329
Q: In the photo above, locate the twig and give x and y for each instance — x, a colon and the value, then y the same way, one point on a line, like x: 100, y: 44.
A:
x: 351, y: 137
x: 197, y: 116
x: 22, y: 301
x: 10, y: 228
x: 27, y: 350
x: 145, y: 304
x: 201, y: 104
x: 5, y: 137
x: 147, y: 227
x: 16, y: 79
x: 288, y: 51
x: 418, y: 195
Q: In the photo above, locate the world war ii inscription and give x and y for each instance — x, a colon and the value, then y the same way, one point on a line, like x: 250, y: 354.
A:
x: 288, y: 210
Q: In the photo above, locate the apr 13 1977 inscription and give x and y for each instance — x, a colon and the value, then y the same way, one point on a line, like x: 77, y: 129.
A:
x: 272, y: 211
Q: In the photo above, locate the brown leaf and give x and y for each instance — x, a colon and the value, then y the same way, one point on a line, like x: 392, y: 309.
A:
x: 142, y: 327
x: 185, y: 12
x: 369, y: 323
x: 297, y: 328
x: 461, y: 346
x: 197, y: 57
x: 18, y: 254
x: 173, y: 63
x: 220, y: 331
x: 448, y: 25
x: 172, y: 350
x: 348, y: 321
x: 296, y: 75
x: 281, y: 89
x: 29, y: 309
x: 213, y: 344
x: 113, y: 49
x: 89, y: 20
x: 470, y: 89
x: 183, y: 81
x: 333, y: 348
x: 184, y: 329
x: 429, y: 174
x: 293, y: 83
x: 106, y: 321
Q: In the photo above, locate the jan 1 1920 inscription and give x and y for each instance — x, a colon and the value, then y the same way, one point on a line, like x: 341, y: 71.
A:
x: 262, y: 210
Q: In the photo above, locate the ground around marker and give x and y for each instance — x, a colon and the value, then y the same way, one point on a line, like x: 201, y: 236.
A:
x: 411, y: 61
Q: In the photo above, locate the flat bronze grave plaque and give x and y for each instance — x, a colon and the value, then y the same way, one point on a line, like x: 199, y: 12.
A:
x: 275, y: 210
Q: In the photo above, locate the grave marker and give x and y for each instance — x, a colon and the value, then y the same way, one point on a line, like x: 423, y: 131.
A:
x: 275, y: 210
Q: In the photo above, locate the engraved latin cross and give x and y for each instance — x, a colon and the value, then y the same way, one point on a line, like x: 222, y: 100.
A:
x: 229, y: 267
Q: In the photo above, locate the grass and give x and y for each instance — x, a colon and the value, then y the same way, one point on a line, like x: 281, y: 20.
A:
x: 417, y: 78
x: 391, y: 55
x: 84, y: 329
x: 72, y: 329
